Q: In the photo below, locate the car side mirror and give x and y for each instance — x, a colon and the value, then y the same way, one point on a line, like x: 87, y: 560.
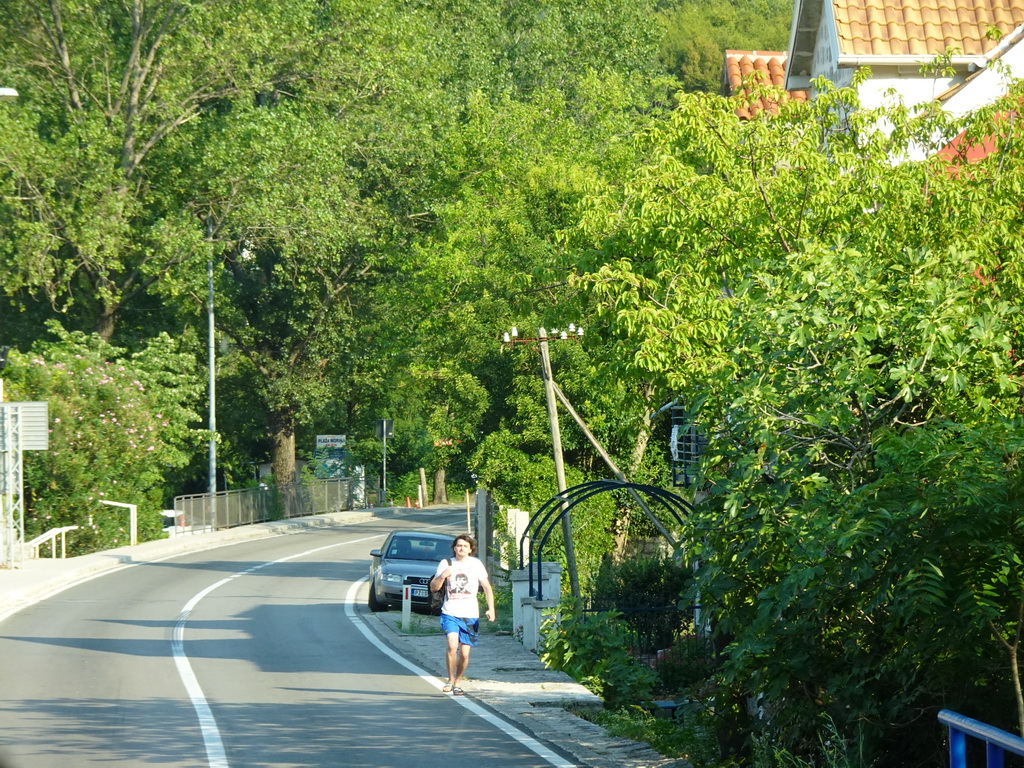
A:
x: 374, y: 553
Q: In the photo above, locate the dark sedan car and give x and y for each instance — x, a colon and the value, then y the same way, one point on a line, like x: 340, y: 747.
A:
x: 406, y: 558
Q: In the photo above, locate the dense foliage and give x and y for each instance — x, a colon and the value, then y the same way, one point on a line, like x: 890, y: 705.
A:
x: 349, y: 171
x: 118, y: 422
x: 697, y: 32
x: 381, y: 190
x: 593, y: 648
x: 855, y: 372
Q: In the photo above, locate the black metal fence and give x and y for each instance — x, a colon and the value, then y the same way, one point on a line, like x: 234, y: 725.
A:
x: 668, y: 639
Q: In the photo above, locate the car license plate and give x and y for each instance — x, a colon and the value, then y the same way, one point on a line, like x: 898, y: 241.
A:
x: 419, y: 591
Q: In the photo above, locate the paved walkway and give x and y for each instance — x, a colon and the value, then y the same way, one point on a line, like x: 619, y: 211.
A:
x: 503, y: 675
x: 512, y: 681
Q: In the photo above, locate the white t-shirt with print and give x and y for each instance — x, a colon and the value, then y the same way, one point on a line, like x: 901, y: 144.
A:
x: 463, y: 584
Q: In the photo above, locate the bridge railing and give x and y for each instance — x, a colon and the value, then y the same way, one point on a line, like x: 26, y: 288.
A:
x: 31, y: 548
x: 997, y: 742
x: 229, y: 509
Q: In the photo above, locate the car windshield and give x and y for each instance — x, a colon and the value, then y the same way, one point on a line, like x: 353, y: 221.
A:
x: 415, y: 548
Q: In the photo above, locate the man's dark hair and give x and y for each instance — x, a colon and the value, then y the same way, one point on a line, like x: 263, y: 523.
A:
x: 468, y: 539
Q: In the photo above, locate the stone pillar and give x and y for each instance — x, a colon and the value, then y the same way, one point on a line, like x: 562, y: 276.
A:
x: 516, y: 521
x: 526, y: 608
x: 534, y: 613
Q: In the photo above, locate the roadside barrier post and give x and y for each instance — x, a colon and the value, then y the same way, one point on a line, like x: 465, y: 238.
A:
x: 406, y: 607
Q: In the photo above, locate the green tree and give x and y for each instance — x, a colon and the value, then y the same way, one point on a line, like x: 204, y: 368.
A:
x: 309, y: 148
x: 523, y: 167
x: 117, y: 423
x: 110, y: 95
x: 697, y: 33
x: 868, y: 422
x: 844, y: 322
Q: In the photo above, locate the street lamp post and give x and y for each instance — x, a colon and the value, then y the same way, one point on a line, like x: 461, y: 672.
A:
x: 3, y: 364
x: 211, y: 353
x: 10, y: 456
x: 6, y: 94
x: 385, y: 429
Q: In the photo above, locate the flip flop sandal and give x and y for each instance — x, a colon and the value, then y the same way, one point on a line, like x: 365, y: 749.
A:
x: 447, y: 688
x: 458, y: 691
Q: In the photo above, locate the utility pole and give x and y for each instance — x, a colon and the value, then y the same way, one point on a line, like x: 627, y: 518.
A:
x: 212, y: 364
x: 556, y: 443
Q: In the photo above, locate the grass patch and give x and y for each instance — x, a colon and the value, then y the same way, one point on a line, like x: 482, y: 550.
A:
x: 667, y: 736
x: 426, y: 624
x: 419, y: 624
x: 502, y: 625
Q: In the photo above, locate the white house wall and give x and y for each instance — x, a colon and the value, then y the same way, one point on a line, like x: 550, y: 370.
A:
x: 826, y: 50
x: 988, y: 85
x: 888, y: 88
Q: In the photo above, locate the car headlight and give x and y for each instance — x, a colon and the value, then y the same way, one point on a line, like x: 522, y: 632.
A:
x: 393, y: 578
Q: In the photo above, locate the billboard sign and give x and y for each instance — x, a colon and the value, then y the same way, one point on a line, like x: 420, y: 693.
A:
x: 329, y: 456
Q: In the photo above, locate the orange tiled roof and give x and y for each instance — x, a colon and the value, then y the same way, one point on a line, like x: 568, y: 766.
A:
x: 923, y: 27
x: 960, y: 151
x: 766, y: 67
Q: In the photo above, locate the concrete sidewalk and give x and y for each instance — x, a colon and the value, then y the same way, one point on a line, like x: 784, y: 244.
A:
x: 514, y: 682
x: 503, y: 675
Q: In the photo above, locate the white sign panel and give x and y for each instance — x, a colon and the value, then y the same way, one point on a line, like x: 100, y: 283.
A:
x: 330, y: 441
x: 34, y: 419
x: 329, y: 456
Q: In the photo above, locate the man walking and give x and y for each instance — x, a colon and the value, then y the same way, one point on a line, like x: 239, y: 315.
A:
x: 461, y: 577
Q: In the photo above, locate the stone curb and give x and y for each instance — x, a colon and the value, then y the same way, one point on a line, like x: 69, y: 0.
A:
x: 514, y: 682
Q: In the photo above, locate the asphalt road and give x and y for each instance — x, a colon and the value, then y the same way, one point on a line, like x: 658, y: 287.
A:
x: 248, y: 655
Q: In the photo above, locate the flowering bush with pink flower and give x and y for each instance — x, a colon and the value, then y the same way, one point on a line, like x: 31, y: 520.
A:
x: 118, y: 423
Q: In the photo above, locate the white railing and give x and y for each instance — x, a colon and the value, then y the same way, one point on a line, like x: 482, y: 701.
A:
x: 31, y: 548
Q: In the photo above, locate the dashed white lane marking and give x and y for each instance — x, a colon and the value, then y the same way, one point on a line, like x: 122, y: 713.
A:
x: 215, y: 754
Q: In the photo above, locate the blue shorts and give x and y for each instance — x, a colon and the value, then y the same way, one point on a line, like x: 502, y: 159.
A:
x: 468, y: 629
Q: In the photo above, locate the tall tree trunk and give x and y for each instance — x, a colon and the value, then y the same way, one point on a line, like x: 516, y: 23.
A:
x: 106, y: 322
x: 440, y: 488
x: 643, y: 436
x: 282, y: 425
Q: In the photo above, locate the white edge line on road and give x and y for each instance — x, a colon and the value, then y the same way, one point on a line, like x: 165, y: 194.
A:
x: 503, y: 725
x: 211, y: 733
x: 216, y: 755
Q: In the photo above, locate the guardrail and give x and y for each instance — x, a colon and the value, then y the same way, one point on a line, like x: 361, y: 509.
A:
x: 997, y: 742
x: 51, y: 536
x: 228, y: 509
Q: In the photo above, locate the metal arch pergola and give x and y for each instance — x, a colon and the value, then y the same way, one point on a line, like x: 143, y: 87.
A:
x: 544, y: 520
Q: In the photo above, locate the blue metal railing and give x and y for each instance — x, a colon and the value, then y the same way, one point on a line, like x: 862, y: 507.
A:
x: 997, y: 742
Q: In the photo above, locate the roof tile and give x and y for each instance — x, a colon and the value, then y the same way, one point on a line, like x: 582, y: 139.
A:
x: 923, y: 27
x: 766, y: 67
